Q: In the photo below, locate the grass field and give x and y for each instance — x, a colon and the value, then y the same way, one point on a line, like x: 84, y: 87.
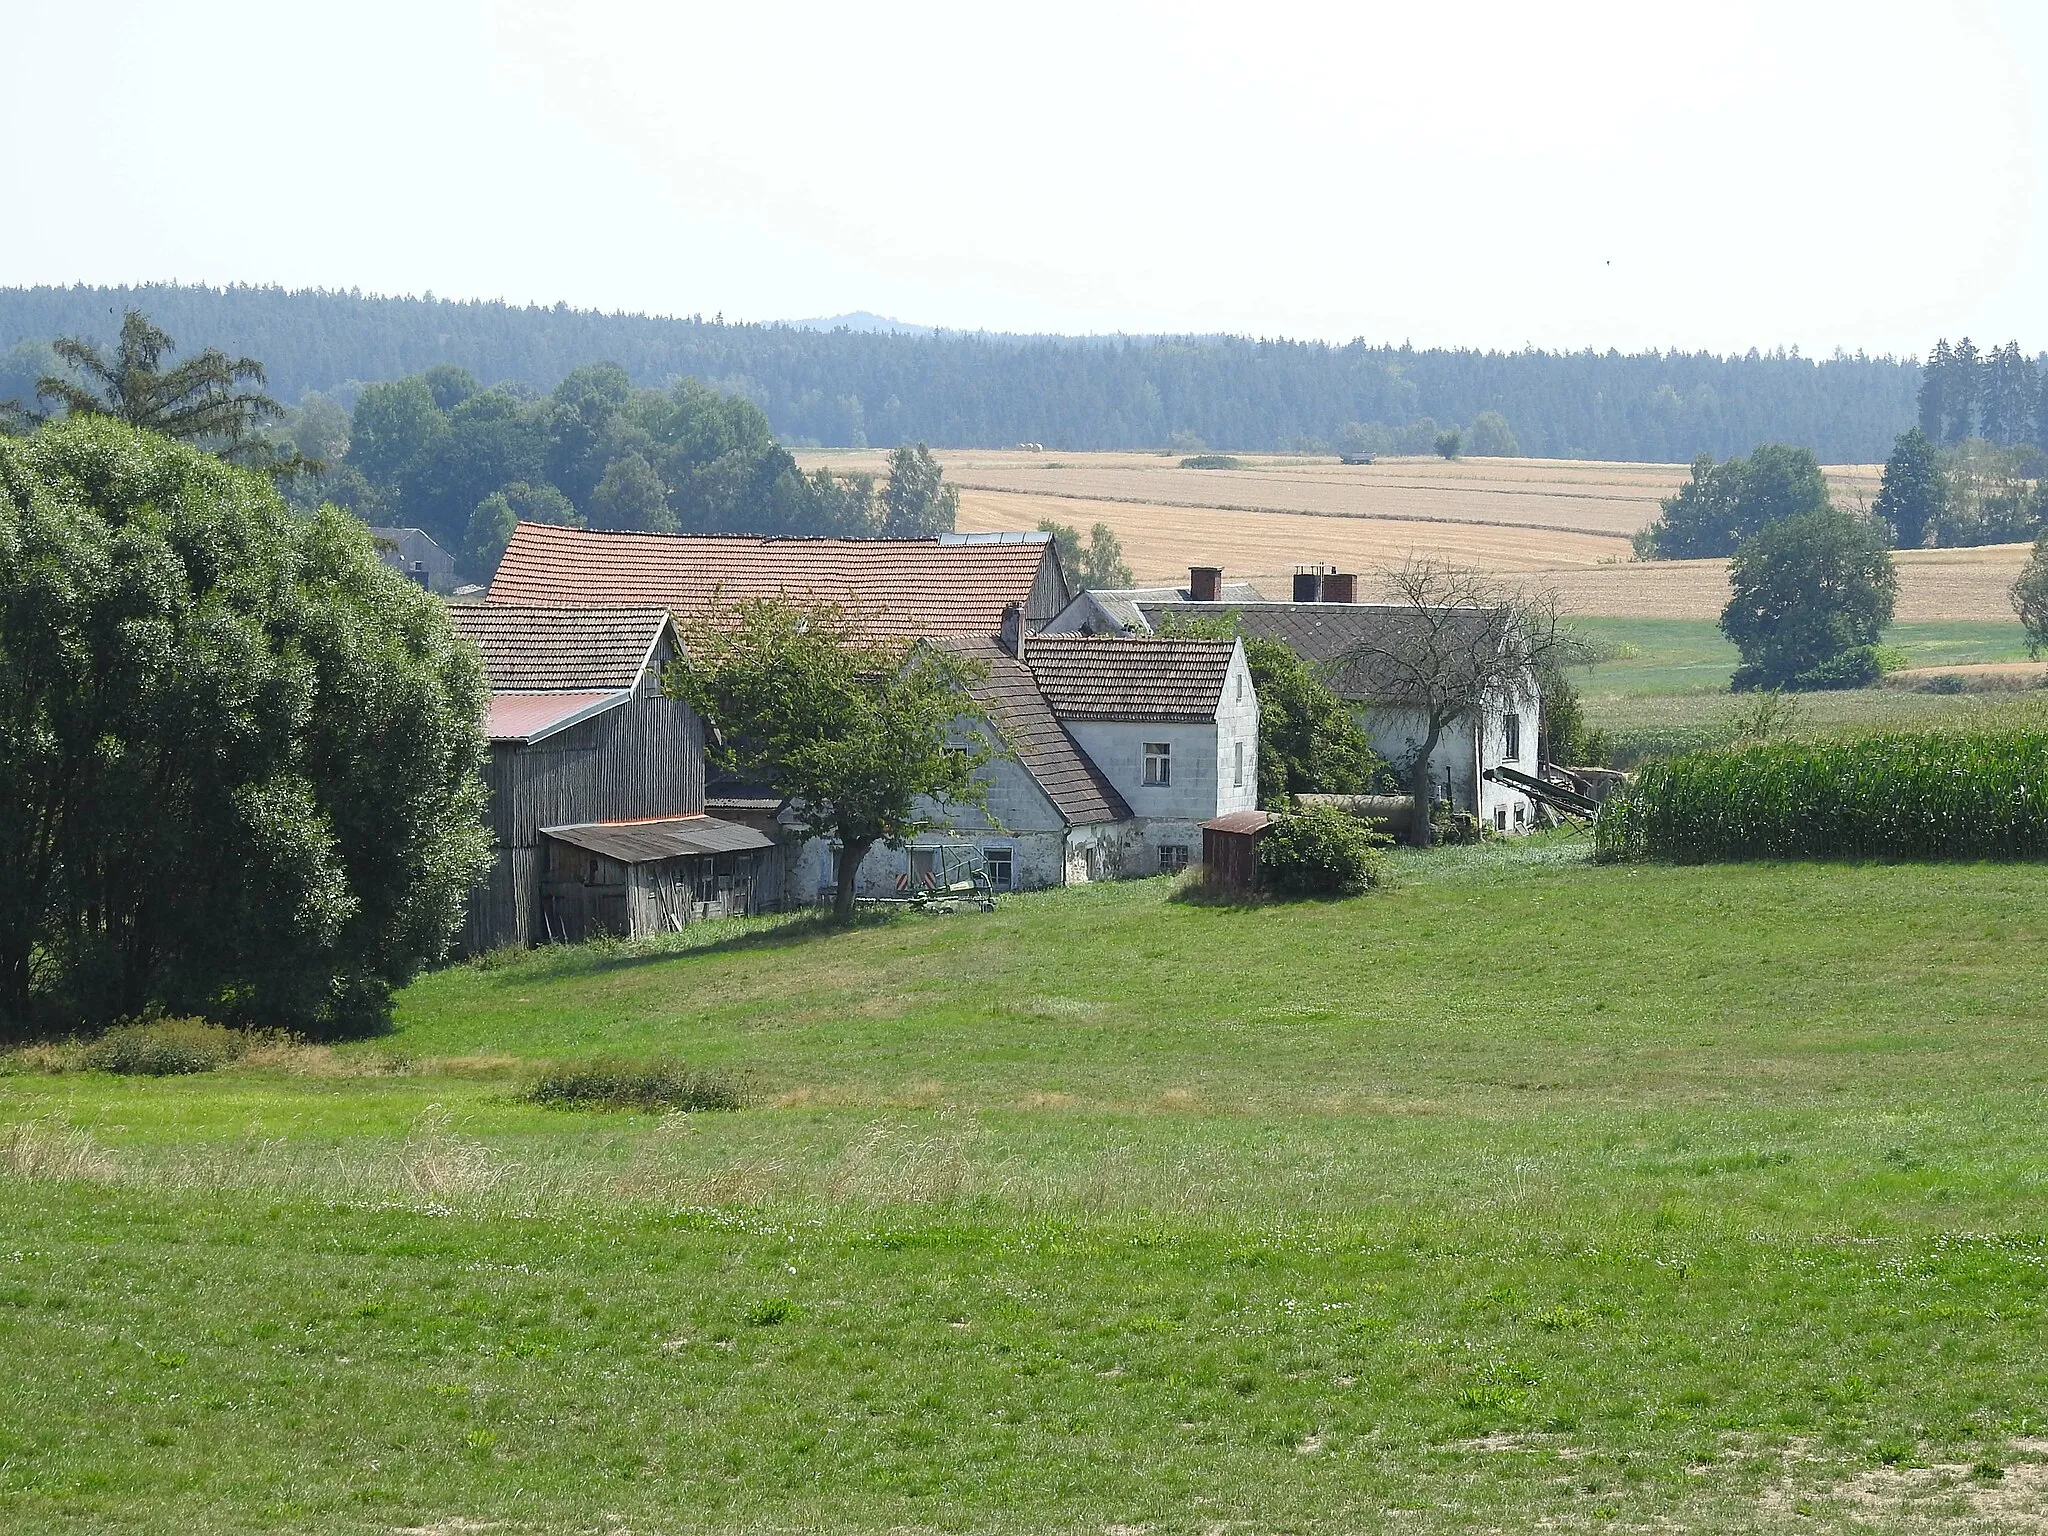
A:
x: 1527, y: 1194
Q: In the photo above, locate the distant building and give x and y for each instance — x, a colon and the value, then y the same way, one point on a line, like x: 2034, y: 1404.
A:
x: 411, y: 551
x: 1324, y: 625
x: 597, y: 813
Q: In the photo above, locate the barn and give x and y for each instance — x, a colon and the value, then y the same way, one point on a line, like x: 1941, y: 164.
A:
x: 596, y: 779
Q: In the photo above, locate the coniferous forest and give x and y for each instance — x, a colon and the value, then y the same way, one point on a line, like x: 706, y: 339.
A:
x: 952, y: 389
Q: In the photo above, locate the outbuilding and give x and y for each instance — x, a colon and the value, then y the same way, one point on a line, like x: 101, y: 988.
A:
x: 1230, y: 850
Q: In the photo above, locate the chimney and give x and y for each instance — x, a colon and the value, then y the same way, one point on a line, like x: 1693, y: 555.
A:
x: 1205, y: 583
x: 1012, y: 636
x: 1307, y: 586
x: 1340, y: 587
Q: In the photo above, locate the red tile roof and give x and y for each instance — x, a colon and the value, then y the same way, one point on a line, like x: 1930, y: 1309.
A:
x: 1126, y: 677
x: 534, y: 648
x: 901, y: 588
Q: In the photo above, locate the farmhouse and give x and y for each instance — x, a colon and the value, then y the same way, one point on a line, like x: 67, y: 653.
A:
x: 1114, y: 752
x: 901, y: 589
x: 596, y: 780
x: 1325, y: 626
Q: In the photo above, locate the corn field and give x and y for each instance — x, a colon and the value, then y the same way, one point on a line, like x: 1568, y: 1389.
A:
x: 1934, y: 796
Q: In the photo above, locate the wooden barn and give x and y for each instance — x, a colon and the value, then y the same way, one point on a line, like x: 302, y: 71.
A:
x: 597, y: 784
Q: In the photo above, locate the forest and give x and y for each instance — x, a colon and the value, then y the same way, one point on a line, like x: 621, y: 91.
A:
x: 856, y: 389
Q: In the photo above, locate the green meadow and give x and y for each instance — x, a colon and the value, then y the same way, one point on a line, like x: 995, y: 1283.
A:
x: 1668, y: 689
x: 1525, y: 1194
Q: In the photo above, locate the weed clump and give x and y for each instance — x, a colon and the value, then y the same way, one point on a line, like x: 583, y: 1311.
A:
x: 659, y: 1085
x: 164, y: 1048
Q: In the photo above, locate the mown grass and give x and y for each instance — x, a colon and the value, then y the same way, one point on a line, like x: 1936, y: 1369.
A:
x: 1669, y: 691
x: 1525, y: 1191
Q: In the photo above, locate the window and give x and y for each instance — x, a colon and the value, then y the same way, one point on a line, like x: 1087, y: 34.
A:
x: 1237, y: 775
x: 1173, y: 858
x: 1001, y: 866
x: 924, y: 868
x: 1240, y: 687
x: 1511, y: 731
x: 1159, y: 762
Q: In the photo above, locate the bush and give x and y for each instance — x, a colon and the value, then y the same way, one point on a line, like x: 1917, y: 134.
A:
x: 657, y: 1085
x: 165, y: 1048
x: 1935, y: 796
x: 1321, y: 851
x: 1212, y: 461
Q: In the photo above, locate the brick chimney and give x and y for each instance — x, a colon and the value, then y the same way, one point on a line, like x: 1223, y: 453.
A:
x: 1012, y: 636
x: 1340, y: 587
x: 1205, y: 583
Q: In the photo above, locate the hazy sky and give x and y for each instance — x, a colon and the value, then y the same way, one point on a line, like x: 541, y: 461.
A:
x: 1722, y: 175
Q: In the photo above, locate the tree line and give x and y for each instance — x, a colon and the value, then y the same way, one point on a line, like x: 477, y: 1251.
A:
x: 953, y: 389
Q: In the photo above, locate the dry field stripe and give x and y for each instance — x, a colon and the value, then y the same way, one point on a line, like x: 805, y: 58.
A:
x: 1379, y: 517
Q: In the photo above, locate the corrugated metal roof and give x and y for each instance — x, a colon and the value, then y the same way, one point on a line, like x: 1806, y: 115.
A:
x: 667, y: 837
x: 1129, y: 677
x: 1071, y: 781
x: 537, y: 647
x: 898, y: 588
x: 531, y: 717
x: 1239, y: 821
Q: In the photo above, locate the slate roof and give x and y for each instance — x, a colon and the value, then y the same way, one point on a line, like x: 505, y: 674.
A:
x: 1324, y: 634
x: 905, y: 589
x: 1077, y: 788
x: 1129, y: 677
x: 538, y: 648
x: 1125, y: 606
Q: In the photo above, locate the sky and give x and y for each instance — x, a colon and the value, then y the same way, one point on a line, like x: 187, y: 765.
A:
x: 1719, y: 174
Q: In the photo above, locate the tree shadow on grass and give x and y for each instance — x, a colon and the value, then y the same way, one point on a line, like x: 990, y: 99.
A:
x: 604, y: 956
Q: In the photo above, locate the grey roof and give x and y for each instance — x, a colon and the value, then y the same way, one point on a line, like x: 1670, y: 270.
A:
x: 1124, y: 605
x: 1326, y: 634
x: 667, y: 837
x: 537, y: 648
x: 1010, y: 694
x: 1129, y: 677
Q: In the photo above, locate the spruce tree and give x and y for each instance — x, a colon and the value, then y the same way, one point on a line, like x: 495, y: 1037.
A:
x: 1914, y: 491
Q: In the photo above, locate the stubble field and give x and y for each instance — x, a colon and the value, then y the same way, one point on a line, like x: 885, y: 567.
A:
x: 1561, y: 523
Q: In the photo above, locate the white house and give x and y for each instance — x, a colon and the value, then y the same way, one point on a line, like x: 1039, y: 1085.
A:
x: 1113, y: 751
x: 1329, y: 633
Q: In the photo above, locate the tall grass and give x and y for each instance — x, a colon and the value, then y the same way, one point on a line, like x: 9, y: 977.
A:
x: 1933, y: 796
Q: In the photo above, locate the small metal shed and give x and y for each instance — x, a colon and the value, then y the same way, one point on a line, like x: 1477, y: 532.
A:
x: 637, y: 877
x: 1230, y: 850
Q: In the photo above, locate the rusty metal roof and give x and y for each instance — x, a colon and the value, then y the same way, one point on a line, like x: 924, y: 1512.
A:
x: 1253, y: 822
x: 665, y: 837
x: 541, y: 647
x: 1077, y: 788
x: 903, y: 589
x: 531, y: 717
x: 1129, y: 677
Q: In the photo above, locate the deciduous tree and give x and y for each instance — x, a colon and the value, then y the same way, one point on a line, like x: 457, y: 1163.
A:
x: 1723, y: 504
x: 854, y: 729
x: 1804, y: 591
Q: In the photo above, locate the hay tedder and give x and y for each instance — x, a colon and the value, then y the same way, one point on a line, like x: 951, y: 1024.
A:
x: 952, y: 879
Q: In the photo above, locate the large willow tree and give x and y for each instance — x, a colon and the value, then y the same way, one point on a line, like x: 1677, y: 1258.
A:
x: 238, y: 754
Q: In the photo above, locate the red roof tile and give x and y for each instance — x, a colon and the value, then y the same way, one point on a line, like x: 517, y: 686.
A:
x: 901, y: 588
x: 532, y: 649
x: 1128, y: 677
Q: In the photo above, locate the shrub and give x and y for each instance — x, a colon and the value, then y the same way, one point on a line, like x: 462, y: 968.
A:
x: 1212, y: 461
x: 657, y: 1085
x: 165, y: 1048
x: 1935, y: 796
x: 1322, y: 851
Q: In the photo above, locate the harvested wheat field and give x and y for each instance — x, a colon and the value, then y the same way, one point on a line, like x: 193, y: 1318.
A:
x: 1565, y: 523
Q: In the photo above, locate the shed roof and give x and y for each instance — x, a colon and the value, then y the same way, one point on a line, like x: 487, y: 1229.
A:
x: 663, y: 837
x: 956, y: 584
x: 1078, y: 789
x: 1129, y: 677
x: 537, y: 647
x: 532, y: 717
x: 1253, y: 822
